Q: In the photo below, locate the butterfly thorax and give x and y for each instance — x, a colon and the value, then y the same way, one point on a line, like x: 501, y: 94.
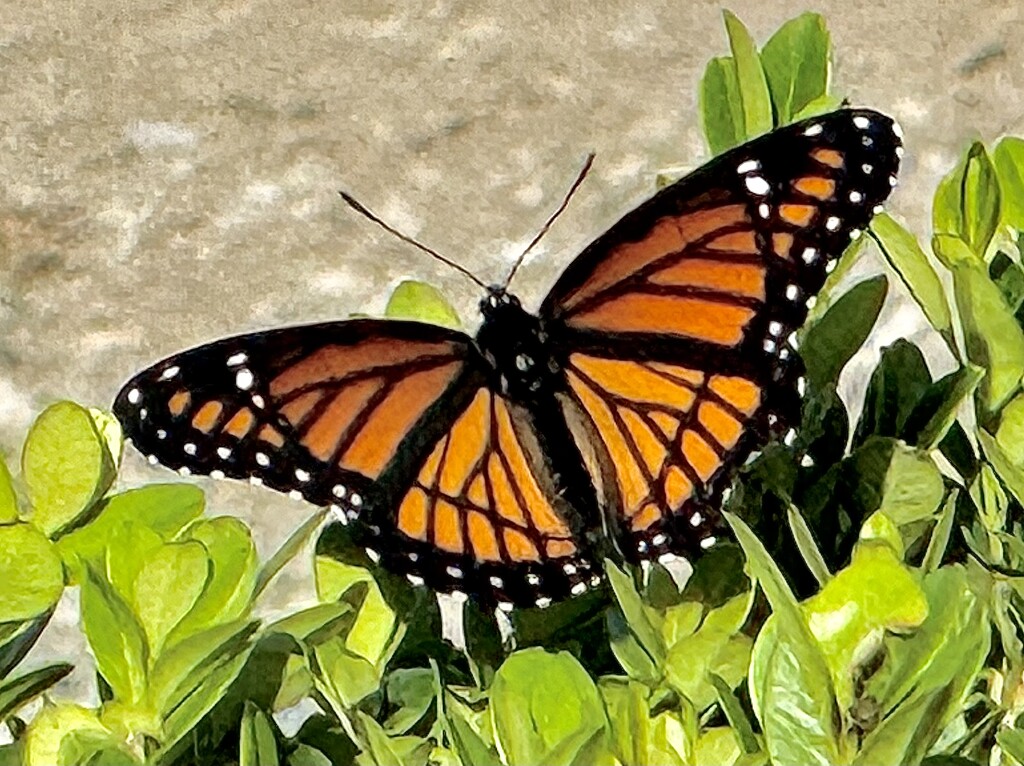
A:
x: 514, y: 344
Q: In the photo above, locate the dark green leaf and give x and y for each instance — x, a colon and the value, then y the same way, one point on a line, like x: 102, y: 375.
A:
x: 897, y: 384
x: 17, y: 691
x: 828, y: 345
x: 638, y: 616
x: 796, y: 65
x: 934, y: 415
x: 17, y: 638
x: 410, y: 694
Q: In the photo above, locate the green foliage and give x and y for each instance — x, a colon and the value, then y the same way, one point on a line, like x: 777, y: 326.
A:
x: 872, y: 611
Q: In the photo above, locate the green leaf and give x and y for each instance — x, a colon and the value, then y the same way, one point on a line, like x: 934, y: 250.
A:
x: 967, y: 201
x: 8, y: 500
x: 468, y: 744
x: 257, y: 745
x: 30, y: 572
x: 720, y: 105
x: 639, y: 617
x: 46, y: 733
x: 993, y: 338
x: 164, y: 508
x: 796, y: 65
x: 897, y: 384
x: 541, y: 700
x: 735, y: 715
x: 421, y: 302
x: 755, y: 99
x: 291, y: 547
x: 392, y: 751
x: 790, y: 684
x: 168, y: 586
x: 181, y: 669
x: 1012, y: 743
x: 66, y: 466
x: 830, y: 343
x: 229, y: 591
x: 926, y: 677
x: 808, y: 548
x: 109, y: 428
x: 1010, y: 435
x: 411, y: 692
x: 912, y: 265
x: 913, y: 488
x: 1011, y: 475
x: 17, y: 638
x: 935, y: 413
x: 345, y: 677
x: 849, y: 617
x: 117, y: 640
x: 1009, y: 161
x: 940, y: 535
x: 374, y: 628
x: 15, y: 692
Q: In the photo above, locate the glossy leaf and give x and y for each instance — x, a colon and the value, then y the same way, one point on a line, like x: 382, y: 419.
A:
x: 805, y: 543
x: 897, y: 384
x: 412, y: 692
x: 993, y: 338
x: 163, y: 508
x: 755, y: 99
x: 796, y: 65
x: 1010, y: 435
x: 913, y: 488
x: 1009, y: 162
x: 790, y: 684
x: 423, y: 303
x: 876, y: 593
x: 66, y: 466
x: 228, y: 592
x: 15, y: 692
x: 109, y: 429
x: 967, y: 201
x: 375, y: 626
x: 540, y: 701
x: 720, y: 105
x: 30, y: 573
x: 640, y: 618
x: 46, y: 733
x: 830, y: 343
x: 115, y: 636
x: 936, y: 411
x: 168, y: 585
x: 257, y: 745
x: 903, y: 253
x: 8, y: 500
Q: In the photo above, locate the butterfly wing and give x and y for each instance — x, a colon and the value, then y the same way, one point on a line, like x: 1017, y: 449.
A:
x: 676, y: 324
x: 393, y: 425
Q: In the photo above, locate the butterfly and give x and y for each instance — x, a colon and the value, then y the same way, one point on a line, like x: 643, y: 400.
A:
x: 508, y: 465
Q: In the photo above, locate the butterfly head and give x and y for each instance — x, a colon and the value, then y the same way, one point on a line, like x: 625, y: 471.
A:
x: 513, y: 342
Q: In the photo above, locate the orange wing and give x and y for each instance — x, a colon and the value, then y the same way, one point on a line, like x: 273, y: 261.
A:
x: 677, y: 325
x: 323, y: 412
x: 487, y: 511
x: 667, y: 435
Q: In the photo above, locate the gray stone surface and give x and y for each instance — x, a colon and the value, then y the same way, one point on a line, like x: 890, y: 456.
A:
x: 169, y: 169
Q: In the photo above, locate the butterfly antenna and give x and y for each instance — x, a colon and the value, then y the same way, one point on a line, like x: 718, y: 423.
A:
x: 353, y: 203
x: 554, y: 216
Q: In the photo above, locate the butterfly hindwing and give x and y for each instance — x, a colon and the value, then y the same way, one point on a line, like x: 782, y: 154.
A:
x: 676, y: 325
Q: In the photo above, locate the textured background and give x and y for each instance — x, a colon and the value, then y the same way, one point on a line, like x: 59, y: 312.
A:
x: 169, y: 170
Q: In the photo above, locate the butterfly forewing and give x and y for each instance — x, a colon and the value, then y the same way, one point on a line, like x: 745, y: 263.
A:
x: 321, y: 410
x: 676, y: 325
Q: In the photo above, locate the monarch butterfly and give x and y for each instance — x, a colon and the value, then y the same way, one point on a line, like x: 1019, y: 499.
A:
x: 506, y: 466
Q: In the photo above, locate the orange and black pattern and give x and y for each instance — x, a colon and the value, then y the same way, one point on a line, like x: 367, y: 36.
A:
x: 508, y: 466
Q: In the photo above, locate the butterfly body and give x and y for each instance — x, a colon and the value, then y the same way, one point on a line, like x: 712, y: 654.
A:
x: 508, y: 465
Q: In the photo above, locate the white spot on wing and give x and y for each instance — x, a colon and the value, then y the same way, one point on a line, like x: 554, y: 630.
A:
x: 244, y: 379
